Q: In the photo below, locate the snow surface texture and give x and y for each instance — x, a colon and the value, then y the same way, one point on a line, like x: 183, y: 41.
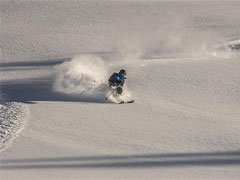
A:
x: 183, y: 70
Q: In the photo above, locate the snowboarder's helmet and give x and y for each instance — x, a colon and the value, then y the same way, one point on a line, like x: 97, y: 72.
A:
x: 122, y: 72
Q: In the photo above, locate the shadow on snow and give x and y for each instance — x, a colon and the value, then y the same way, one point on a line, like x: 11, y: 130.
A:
x: 127, y: 161
x: 29, y: 91
x: 51, y: 62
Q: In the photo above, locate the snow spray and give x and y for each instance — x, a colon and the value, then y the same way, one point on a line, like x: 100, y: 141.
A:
x: 84, y: 74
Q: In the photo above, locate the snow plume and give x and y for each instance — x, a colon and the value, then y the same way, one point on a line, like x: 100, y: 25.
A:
x: 85, y: 74
x: 180, y: 40
x: 178, y: 37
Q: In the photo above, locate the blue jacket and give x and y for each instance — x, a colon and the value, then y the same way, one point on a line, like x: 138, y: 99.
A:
x: 116, y: 80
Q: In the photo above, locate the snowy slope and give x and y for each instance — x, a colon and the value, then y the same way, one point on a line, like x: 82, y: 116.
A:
x: 182, y: 60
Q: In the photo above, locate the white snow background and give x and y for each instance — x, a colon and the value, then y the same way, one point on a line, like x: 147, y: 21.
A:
x: 183, y: 70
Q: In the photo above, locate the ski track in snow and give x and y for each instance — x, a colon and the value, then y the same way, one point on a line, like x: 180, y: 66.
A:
x: 13, y: 116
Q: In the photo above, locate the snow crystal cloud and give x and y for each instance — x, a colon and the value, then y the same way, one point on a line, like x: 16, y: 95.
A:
x: 174, y: 37
x: 84, y: 74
